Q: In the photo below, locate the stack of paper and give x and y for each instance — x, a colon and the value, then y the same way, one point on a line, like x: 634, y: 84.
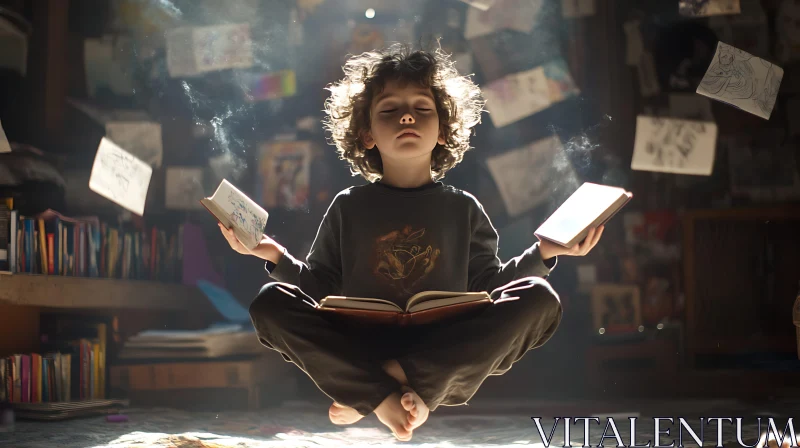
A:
x: 213, y: 342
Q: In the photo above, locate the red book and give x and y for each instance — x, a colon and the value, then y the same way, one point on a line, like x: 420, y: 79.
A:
x: 36, y: 378
x: 26, y: 378
x: 51, y: 259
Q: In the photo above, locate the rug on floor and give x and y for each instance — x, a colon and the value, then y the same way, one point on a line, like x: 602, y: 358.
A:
x: 308, y: 427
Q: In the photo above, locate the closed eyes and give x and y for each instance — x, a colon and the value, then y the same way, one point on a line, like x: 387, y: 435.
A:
x: 389, y: 111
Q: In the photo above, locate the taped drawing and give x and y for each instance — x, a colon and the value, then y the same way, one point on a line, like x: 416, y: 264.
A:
x: 671, y: 145
x: 742, y: 80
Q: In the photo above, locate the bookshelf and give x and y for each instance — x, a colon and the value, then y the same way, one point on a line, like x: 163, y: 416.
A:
x: 56, y: 291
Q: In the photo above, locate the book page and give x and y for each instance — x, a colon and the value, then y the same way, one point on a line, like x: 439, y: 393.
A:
x: 120, y: 177
x: 434, y: 299
x: 705, y: 8
x: 4, y: 145
x: 579, y: 211
x: 359, y: 303
x: 742, y: 80
x: 142, y: 139
x: 245, y: 215
x: 671, y: 145
x: 222, y: 47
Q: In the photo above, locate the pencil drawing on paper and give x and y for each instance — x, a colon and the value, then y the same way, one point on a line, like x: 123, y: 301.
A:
x: 673, y: 141
x: 743, y: 80
x: 122, y: 170
x: 244, y: 218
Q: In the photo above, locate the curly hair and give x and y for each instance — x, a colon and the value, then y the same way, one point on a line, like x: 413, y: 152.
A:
x: 458, y: 103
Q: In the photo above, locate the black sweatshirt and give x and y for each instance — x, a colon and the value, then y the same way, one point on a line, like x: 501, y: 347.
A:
x: 390, y: 243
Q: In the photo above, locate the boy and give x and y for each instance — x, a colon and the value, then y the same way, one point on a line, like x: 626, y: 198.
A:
x: 402, y: 119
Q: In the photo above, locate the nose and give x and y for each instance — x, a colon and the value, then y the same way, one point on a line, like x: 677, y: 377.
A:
x: 407, y: 118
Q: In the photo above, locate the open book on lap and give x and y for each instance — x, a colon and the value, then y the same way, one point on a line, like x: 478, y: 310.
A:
x: 422, y: 308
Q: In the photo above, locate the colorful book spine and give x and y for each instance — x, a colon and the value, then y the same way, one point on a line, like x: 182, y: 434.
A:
x: 25, y: 386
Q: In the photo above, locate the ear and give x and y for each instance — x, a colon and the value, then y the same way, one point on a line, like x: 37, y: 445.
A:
x: 441, y: 140
x: 367, y: 139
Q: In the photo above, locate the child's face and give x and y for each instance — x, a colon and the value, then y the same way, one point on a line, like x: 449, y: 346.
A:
x: 405, y: 123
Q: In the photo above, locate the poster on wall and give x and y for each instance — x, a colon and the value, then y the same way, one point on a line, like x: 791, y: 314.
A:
x: 284, y: 171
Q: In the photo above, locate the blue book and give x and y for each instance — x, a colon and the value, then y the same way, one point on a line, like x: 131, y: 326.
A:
x: 45, y: 380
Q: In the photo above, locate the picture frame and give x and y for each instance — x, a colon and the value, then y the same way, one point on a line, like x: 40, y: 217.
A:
x: 616, y: 308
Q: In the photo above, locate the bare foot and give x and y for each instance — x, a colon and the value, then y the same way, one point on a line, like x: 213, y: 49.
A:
x: 343, y: 415
x: 417, y: 410
x: 392, y: 414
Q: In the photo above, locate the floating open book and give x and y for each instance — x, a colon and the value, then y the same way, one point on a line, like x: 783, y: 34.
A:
x: 235, y: 210
x: 591, y: 205
x: 421, y: 308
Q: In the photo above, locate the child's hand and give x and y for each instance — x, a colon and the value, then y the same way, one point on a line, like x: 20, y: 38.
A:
x: 233, y: 241
x: 549, y: 250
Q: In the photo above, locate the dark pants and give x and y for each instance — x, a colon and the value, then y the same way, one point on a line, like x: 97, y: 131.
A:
x: 445, y: 362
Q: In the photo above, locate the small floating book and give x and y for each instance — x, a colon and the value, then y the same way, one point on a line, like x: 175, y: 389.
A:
x: 233, y: 209
x: 591, y: 205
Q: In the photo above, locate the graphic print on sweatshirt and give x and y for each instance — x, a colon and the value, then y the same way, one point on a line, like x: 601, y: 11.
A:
x: 403, y: 258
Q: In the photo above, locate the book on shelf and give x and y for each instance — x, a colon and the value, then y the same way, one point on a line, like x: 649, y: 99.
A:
x: 421, y: 308
x: 591, y: 205
x: 53, y: 244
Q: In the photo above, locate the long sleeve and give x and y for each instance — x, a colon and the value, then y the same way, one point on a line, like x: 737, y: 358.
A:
x: 321, y: 274
x: 487, y: 272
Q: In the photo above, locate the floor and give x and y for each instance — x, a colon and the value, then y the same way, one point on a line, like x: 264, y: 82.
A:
x: 481, y: 424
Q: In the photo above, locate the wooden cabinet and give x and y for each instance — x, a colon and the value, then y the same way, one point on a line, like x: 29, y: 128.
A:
x: 742, y: 271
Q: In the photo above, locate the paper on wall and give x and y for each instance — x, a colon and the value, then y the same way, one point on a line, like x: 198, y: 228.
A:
x: 524, y: 176
x: 577, y: 8
x: 120, y: 177
x: 517, y: 15
x: 184, y: 188
x: 787, y: 26
x: 648, y: 80
x: 671, y: 145
x: 15, y: 48
x: 140, y: 138
x: 4, y: 145
x: 195, y: 50
x: 634, y: 42
x: 705, y: 8
x: 742, y: 80
x: 522, y: 94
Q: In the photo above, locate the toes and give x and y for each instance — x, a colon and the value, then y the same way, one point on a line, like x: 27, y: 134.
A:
x: 404, y: 435
x: 407, y: 401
